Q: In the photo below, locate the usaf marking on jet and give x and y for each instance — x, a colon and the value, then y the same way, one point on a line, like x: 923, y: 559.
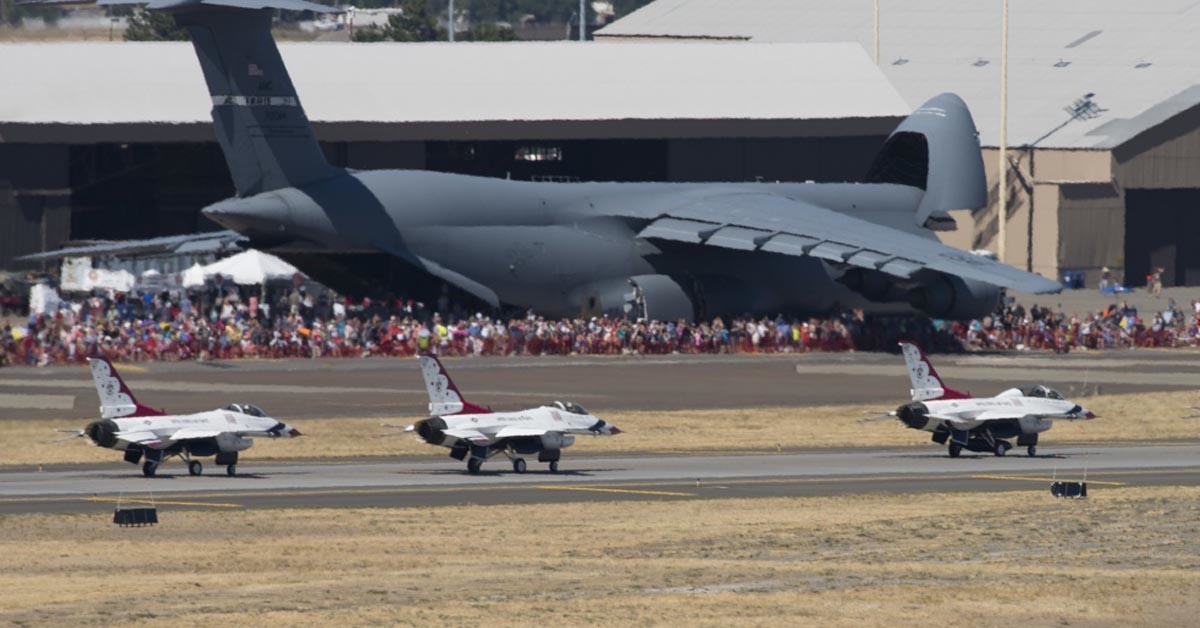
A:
x: 658, y: 250
x: 979, y: 424
x: 475, y: 433
x: 139, y: 431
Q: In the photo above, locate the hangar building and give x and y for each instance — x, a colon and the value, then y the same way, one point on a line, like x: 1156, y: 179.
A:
x: 1113, y: 182
x: 114, y: 140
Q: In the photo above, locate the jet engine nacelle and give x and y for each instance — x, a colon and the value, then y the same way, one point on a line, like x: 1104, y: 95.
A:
x: 555, y: 440
x: 946, y: 296
x: 101, y: 433
x: 916, y: 416
x: 432, y: 431
x: 228, y: 442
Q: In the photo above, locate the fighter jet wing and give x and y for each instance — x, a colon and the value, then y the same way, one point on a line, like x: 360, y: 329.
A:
x: 474, y: 436
x: 148, y: 438
x: 998, y: 415
x: 189, y: 433
x: 756, y: 221
x: 514, y: 432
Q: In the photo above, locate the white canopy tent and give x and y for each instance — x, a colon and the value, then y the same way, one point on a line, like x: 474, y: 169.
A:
x: 248, y: 268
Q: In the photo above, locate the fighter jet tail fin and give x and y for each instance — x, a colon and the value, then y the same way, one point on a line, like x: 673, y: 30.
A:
x: 260, y: 125
x: 936, y: 148
x: 444, y: 397
x: 116, y: 400
x: 926, y: 384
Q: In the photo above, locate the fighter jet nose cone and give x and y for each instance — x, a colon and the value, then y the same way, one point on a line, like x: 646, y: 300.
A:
x: 615, y: 430
x: 294, y: 432
x: 264, y: 215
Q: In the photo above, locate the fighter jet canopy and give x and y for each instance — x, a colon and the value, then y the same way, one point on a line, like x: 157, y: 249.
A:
x: 246, y: 408
x: 571, y: 407
x: 1044, y: 392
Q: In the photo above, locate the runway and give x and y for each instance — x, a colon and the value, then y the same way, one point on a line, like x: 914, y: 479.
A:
x: 392, y: 387
x: 347, y: 484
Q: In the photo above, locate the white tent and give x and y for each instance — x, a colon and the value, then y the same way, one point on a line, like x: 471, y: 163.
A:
x: 248, y: 268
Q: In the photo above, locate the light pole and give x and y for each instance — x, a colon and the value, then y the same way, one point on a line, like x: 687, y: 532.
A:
x: 450, y: 22
x: 876, y: 32
x: 1084, y: 108
x: 1002, y: 162
x: 582, y: 20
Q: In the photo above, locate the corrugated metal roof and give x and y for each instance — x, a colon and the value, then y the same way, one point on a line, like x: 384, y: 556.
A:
x: 88, y: 83
x: 1134, y: 56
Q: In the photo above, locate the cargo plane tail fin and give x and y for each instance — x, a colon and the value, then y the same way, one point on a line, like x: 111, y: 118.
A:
x: 260, y: 125
x: 936, y: 149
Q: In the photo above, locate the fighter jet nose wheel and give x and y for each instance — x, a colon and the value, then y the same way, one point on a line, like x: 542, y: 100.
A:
x: 148, y: 469
x: 195, y: 468
x: 554, y: 467
x: 955, y: 450
x: 231, y: 470
x: 519, y: 465
x: 473, y: 465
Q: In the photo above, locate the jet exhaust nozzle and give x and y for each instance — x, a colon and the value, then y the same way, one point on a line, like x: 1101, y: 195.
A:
x: 432, y: 430
x: 101, y: 433
x: 914, y: 415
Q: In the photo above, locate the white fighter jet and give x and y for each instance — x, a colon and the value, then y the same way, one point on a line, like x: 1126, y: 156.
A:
x: 475, y: 433
x: 139, y: 431
x: 980, y: 424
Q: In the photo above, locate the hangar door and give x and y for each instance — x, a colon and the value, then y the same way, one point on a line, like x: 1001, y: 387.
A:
x: 1162, y: 228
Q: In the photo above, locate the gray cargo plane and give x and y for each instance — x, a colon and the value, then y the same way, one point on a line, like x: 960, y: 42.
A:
x: 657, y: 250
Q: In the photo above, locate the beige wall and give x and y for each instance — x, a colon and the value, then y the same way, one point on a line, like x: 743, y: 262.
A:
x: 1167, y: 156
x: 1091, y: 223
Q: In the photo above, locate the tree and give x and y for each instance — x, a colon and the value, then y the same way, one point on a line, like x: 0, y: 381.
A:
x: 416, y: 23
x: 490, y: 31
x: 154, y: 26
x: 368, y: 34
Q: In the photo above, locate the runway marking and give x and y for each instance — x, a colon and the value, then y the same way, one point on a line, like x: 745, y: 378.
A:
x: 37, y: 402
x: 1029, y: 479
x: 133, y: 368
x: 627, y: 491
x: 158, y: 502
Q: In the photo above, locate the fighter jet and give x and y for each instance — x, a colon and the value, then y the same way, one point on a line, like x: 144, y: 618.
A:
x: 656, y: 250
x: 140, y: 431
x: 980, y: 424
x: 476, y: 433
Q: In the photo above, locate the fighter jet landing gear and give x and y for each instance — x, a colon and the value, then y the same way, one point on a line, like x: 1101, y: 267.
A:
x: 231, y: 470
x: 195, y: 468
x: 1032, y: 450
x: 519, y: 465
x: 474, y: 464
x: 554, y: 467
x: 955, y: 450
x: 149, y: 467
x: 1002, y: 447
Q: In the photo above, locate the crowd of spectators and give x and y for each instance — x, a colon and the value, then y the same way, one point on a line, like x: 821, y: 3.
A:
x: 218, y: 325
x: 1116, y: 326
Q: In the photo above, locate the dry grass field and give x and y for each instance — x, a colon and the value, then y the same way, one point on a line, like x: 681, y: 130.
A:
x: 1126, y: 418
x: 1125, y: 557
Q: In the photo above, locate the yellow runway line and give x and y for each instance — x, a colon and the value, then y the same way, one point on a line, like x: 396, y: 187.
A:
x: 626, y: 491
x: 1029, y: 479
x: 159, y: 502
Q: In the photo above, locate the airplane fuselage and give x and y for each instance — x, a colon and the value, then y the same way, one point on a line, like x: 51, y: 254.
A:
x: 557, y: 247
x: 234, y: 430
